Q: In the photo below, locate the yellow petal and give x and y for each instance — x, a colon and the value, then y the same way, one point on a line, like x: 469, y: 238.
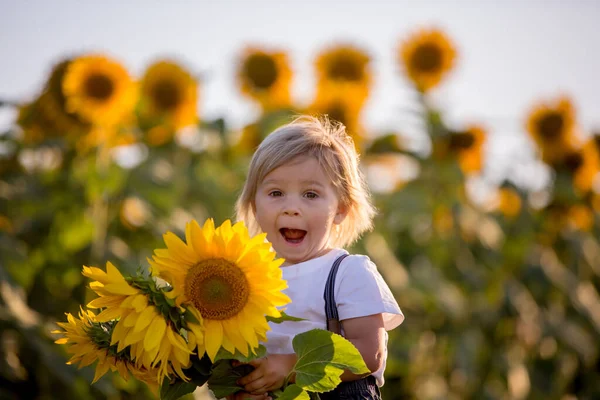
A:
x: 140, y: 302
x: 107, y: 301
x: 121, y: 288
x: 213, y: 337
x: 109, y: 314
x: 144, y: 318
x: 155, y: 333
x: 101, y: 369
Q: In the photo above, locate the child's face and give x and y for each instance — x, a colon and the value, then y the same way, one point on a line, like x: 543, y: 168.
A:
x: 296, y: 206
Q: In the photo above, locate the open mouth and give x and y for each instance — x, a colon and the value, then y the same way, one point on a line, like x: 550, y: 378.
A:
x: 293, y: 236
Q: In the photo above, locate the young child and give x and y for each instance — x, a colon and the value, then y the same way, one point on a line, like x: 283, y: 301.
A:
x: 304, y: 189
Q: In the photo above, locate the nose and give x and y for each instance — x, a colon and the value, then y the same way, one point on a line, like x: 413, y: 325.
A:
x: 290, y: 208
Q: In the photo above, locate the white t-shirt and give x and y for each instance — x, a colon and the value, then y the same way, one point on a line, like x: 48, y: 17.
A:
x: 359, y: 291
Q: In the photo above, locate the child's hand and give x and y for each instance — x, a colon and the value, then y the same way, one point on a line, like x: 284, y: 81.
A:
x: 269, y: 373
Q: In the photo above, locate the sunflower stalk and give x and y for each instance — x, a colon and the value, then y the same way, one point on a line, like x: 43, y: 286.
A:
x: 100, y: 206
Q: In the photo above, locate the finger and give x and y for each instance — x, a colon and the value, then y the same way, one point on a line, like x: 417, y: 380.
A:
x: 258, y: 386
x: 251, y: 377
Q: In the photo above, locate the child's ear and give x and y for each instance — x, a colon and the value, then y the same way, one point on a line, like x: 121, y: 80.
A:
x: 340, y: 216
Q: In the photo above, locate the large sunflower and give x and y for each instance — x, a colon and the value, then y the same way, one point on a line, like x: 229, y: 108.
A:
x: 427, y: 57
x: 551, y: 125
x: 89, y: 342
x: 169, y: 95
x: 265, y: 76
x: 234, y: 281
x: 468, y: 145
x: 99, y: 90
x: 344, y: 68
x: 154, y: 339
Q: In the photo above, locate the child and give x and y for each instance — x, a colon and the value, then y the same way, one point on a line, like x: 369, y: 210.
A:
x: 304, y: 189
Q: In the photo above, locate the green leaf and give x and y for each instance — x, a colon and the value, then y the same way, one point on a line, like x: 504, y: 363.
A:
x: 224, y: 377
x: 259, y: 352
x: 284, y: 317
x: 202, y: 365
x: 175, y: 390
x: 294, y: 392
x: 322, y: 358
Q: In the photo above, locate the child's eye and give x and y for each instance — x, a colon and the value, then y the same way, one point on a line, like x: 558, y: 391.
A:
x: 311, y: 195
x: 275, y: 193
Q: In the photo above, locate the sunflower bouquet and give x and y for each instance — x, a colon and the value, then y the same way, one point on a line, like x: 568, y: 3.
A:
x: 205, y: 302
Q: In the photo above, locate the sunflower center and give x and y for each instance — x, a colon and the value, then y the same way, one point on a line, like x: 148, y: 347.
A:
x: 551, y: 125
x: 461, y: 140
x: 344, y: 69
x: 166, y: 95
x: 597, y: 142
x: 99, y: 87
x: 573, y: 161
x: 218, y: 288
x: 427, y: 58
x: 261, y: 71
x: 338, y: 113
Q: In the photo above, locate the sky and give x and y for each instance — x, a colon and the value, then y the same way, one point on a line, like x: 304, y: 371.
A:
x: 511, y: 53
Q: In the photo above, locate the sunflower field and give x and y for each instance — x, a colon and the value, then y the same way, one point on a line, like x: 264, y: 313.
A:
x: 500, y: 292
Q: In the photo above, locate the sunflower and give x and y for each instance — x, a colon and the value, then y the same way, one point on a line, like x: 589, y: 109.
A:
x: 551, y: 125
x: 89, y: 342
x: 586, y: 174
x: 47, y: 117
x: 134, y: 213
x: 265, y: 76
x: 142, y: 324
x: 427, y: 57
x: 580, y: 217
x: 169, y: 95
x: 99, y: 90
x: 250, y: 137
x: 234, y: 281
x: 345, y: 109
x: 509, y: 202
x: 468, y: 145
x: 343, y: 68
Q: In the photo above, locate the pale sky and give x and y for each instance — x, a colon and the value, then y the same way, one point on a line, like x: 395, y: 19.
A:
x: 511, y: 53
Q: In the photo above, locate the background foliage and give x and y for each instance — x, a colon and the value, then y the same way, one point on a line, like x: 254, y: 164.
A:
x: 499, y: 289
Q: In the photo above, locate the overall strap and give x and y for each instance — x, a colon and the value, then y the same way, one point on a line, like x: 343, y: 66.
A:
x: 331, y: 312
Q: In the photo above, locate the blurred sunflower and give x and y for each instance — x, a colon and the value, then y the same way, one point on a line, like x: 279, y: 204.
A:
x: 99, y: 90
x: 250, y: 137
x: 142, y: 324
x: 344, y: 68
x: 47, y: 116
x: 468, y: 145
x: 580, y: 217
x: 345, y: 109
x: 551, y: 125
x: 266, y: 77
x: 89, y: 342
x: 169, y: 96
x: 234, y: 281
x: 427, y: 57
x: 134, y: 213
x: 509, y: 202
x: 586, y: 174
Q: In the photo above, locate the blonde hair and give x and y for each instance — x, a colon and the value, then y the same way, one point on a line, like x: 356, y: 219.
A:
x: 329, y: 143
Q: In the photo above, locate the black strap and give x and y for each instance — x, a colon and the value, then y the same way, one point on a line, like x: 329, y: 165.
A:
x: 331, y: 311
